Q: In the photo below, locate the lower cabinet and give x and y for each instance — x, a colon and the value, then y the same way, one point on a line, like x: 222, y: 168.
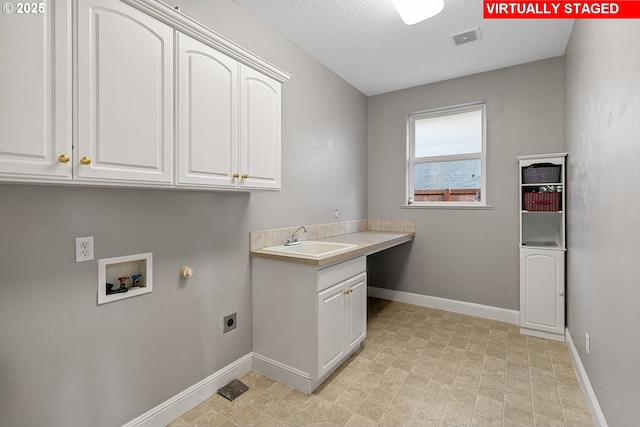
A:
x: 306, y: 320
x: 342, y: 320
x: 542, y: 302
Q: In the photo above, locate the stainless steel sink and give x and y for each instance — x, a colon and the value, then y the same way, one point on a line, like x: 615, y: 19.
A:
x: 312, y: 248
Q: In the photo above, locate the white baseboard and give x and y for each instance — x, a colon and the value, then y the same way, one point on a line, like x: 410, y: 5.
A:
x: 585, y: 384
x: 542, y: 334
x: 171, y: 409
x: 462, y: 307
x: 282, y: 373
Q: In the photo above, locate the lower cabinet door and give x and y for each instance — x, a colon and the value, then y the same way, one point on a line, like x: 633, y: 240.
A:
x: 342, y: 321
x: 542, y: 290
x: 331, y: 327
x: 356, y: 311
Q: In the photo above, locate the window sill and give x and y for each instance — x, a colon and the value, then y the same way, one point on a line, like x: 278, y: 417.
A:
x: 448, y: 206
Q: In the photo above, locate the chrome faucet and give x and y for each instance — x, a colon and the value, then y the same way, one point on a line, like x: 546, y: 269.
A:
x: 293, y: 240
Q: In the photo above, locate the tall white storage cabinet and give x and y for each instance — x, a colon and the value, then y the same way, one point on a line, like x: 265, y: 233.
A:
x: 542, y: 245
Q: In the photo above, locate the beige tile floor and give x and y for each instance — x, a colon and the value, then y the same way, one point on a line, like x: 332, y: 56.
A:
x: 420, y: 367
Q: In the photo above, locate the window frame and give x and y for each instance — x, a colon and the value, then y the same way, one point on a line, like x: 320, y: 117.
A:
x: 412, y: 160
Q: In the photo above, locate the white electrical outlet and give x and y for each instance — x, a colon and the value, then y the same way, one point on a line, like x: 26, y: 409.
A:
x: 84, y: 248
x: 587, y: 343
x: 335, y: 213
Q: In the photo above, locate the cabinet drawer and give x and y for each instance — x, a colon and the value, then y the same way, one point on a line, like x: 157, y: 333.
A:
x: 341, y: 272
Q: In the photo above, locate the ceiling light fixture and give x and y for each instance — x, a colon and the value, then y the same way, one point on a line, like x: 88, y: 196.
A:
x: 414, y: 11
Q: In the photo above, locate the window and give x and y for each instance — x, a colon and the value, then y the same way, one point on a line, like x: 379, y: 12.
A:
x: 447, y: 153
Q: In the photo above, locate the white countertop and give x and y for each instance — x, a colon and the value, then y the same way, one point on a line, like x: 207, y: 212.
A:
x: 367, y: 242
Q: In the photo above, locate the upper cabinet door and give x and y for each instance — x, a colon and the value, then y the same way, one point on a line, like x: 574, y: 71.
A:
x: 207, y: 115
x: 35, y: 119
x: 259, y: 131
x: 124, y: 109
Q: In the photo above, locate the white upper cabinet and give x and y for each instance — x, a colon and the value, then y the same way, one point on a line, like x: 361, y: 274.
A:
x: 35, y: 100
x: 124, y: 109
x: 228, y: 121
x: 134, y: 93
x: 207, y: 115
x: 260, y: 130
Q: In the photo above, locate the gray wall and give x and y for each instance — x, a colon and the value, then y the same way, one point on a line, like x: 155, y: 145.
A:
x: 464, y: 255
x: 603, y: 141
x: 64, y: 361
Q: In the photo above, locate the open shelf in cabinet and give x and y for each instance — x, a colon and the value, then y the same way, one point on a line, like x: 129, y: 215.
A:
x: 542, y: 229
x: 542, y: 202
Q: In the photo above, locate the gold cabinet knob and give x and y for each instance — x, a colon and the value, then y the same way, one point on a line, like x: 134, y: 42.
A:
x: 245, y: 176
x: 235, y: 175
x: 85, y: 160
x: 63, y: 158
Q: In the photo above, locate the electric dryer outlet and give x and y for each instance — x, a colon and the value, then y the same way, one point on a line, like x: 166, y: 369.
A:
x: 229, y: 323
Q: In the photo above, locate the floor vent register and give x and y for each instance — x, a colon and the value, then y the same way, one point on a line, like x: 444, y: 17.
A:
x: 232, y: 390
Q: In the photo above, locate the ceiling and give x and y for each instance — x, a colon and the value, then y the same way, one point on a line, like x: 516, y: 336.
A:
x: 366, y: 43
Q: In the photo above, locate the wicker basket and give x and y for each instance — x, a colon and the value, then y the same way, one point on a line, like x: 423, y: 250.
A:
x: 541, y: 173
x: 542, y: 202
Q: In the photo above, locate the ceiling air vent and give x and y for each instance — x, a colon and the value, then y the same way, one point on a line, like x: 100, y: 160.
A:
x: 466, y: 36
